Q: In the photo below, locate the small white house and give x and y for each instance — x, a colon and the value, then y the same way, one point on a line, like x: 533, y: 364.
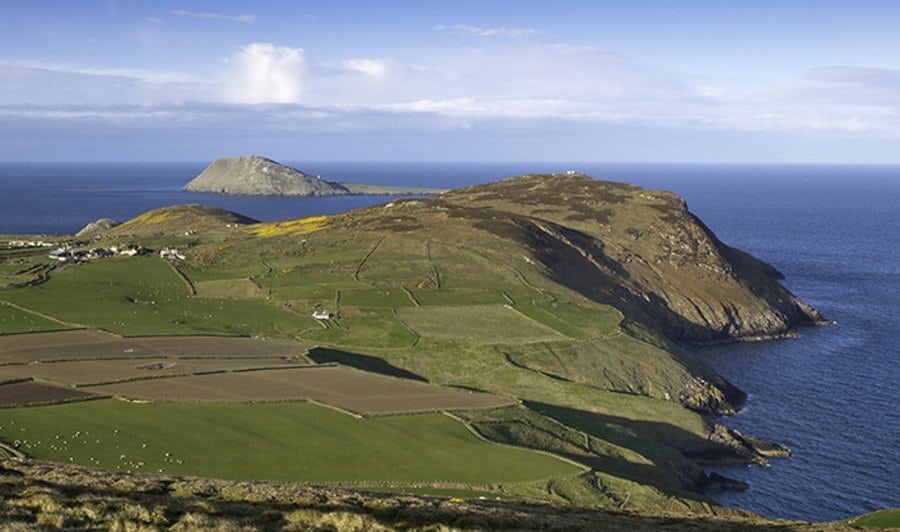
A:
x: 322, y: 315
x: 171, y: 254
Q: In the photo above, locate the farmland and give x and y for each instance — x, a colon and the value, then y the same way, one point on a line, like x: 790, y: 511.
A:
x: 290, y: 442
x: 352, y: 390
x: 24, y: 393
x: 448, y: 316
x: 86, y: 345
x: 144, y: 296
x: 14, y: 321
x: 85, y: 372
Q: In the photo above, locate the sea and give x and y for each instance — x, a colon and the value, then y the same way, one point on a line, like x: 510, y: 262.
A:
x: 830, y: 395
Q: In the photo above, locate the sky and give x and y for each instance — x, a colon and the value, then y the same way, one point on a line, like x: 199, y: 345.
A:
x: 720, y: 81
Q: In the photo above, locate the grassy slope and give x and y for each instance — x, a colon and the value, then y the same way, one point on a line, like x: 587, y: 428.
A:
x: 144, y: 296
x: 285, y: 441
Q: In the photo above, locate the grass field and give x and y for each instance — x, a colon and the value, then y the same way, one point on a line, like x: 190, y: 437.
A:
x: 143, y: 296
x: 229, y: 289
x: 365, y: 327
x: 476, y: 323
x: 290, y: 442
x: 374, y: 298
x: 459, y: 297
x: 14, y: 321
x: 356, y: 391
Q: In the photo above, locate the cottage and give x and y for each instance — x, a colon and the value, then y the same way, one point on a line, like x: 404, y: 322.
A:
x: 171, y: 254
x: 322, y: 315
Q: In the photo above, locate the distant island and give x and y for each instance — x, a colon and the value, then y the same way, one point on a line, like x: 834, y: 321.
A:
x: 259, y: 176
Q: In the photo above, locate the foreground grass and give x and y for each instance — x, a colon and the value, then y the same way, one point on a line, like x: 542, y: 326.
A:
x: 283, y: 441
x: 40, y: 496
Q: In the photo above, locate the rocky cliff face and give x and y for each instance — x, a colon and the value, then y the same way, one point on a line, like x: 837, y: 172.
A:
x: 256, y: 175
x: 645, y: 253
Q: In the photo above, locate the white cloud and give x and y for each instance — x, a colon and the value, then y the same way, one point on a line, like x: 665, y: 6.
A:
x: 376, y: 68
x: 499, y: 31
x: 213, y: 16
x: 265, y: 73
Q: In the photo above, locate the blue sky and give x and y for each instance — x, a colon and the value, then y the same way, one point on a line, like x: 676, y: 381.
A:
x: 644, y: 81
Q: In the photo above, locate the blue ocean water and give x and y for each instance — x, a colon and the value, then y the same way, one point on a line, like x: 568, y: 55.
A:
x: 834, y: 231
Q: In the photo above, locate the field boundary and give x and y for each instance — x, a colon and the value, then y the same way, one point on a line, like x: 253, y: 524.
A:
x: 184, y: 278
x: 363, y: 262
x: 482, y: 437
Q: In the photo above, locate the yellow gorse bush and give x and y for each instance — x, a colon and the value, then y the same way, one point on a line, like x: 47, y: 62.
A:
x: 291, y: 227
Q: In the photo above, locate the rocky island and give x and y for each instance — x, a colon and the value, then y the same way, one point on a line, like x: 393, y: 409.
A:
x: 259, y: 176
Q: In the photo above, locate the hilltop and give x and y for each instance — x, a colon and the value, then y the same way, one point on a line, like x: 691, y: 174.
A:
x: 644, y: 252
x: 259, y: 176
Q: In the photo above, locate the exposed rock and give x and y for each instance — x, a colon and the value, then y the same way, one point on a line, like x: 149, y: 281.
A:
x: 730, y: 446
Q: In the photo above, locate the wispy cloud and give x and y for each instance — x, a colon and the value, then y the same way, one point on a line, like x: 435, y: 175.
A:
x: 265, y: 73
x: 375, y: 68
x: 243, y: 18
x: 502, y: 85
x: 499, y: 31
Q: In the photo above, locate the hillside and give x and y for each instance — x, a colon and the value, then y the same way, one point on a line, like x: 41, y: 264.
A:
x: 643, y: 252
x: 466, y: 330
x: 178, y: 220
x: 60, y: 496
x: 258, y: 176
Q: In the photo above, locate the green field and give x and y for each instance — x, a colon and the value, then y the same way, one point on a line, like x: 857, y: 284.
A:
x: 459, y: 297
x: 14, y: 321
x: 285, y: 441
x: 144, y: 296
x: 475, y: 323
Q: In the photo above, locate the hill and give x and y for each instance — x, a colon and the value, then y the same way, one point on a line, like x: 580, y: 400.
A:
x: 643, y: 252
x: 258, y: 176
x: 179, y: 220
x: 559, y: 303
